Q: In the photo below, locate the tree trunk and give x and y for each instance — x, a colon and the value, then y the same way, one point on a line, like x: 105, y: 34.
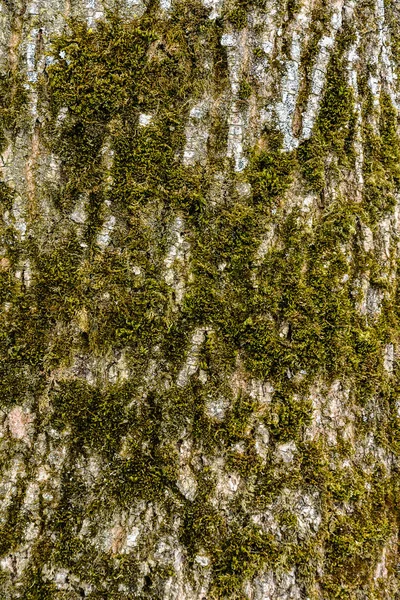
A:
x: 200, y: 324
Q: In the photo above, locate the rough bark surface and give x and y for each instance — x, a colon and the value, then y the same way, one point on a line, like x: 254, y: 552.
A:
x: 199, y: 243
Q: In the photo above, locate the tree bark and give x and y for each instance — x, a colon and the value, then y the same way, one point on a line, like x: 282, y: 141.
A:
x: 199, y: 244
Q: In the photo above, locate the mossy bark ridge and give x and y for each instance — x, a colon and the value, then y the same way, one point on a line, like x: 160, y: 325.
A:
x: 200, y: 324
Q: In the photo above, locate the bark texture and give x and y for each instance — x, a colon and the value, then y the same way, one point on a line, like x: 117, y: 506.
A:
x: 199, y: 336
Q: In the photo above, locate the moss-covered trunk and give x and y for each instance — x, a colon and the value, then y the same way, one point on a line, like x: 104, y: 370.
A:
x: 200, y: 320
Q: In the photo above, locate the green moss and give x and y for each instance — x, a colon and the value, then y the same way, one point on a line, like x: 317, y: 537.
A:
x: 355, y: 542
x: 258, y: 53
x: 238, y: 17
x: 292, y: 7
x: 381, y: 162
x: 244, y: 553
x: 245, y: 90
x: 391, y: 18
x: 12, y: 529
x: 288, y: 418
x: 319, y: 24
x: 289, y: 316
x: 271, y: 172
x: 334, y: 130
x: 203, y: 526
x: 13, y: 106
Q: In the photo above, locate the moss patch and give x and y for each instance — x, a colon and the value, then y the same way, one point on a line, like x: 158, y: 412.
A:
x: 289, y: 315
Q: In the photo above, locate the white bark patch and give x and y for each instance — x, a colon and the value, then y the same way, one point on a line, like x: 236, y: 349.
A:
x: 18, y: 218
x: 387, y: 73
x: 267, y: 23
x: 65, y: 580
x: 191, y: 365
x: 302, y: 504
x: 31, y: 504
x: 187, y: 483
x: 233, y: 482
x: 235, y: 44
x: 268, y: 35
x: 136, y: 7
x: 177, y: 587
x: 24, y: 274
x: 308, y: 514
x: 368, y: 238
x: 307, y: 204
x: 290, y: 89
x: 63, y: 110
x: 203, y: 377
x: 61, y: 578
x: 216, y: 408
x: 331, y: 413
x: 54, y: 168
x: 215, y: 6
x: 228, y: 40
x: 373, y: 301
x: 94, y: 12
x: 79, y: 215
x: 267, y: 522
x: 132, y: 537
x: 353, y: 59
x: 388, y: 360
x: 381, y: 571
x: 30, y: 61
x: 103, y: 238
x: 286, y: 452
x: 261, y: 440
x: 145, y: 120
x: 227, y: 483
x: 283, y: 111
x: 370, y: 303
x: 197, y: 133
x: 6, y: 162
x: 176, y: 259
x: 261, y: 391
x: 369, y: 448
x: 20, y: 423
x: 237, y: 124
x: 33, y: 8
x: 396, y: 224
x: 202, y: 560
x: 118, y: 371
x: 271, y: 586
x: 121, y: 535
